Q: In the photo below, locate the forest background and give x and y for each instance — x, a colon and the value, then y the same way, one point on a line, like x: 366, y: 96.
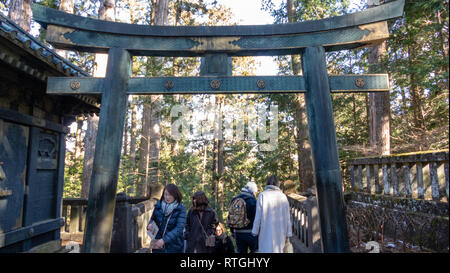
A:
x: 412, y: 117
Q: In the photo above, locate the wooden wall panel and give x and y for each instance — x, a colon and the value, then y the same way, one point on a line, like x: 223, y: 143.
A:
x: 13, y: 155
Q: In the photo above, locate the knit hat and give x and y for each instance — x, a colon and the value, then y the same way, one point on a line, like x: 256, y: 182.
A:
x: 251, y: 187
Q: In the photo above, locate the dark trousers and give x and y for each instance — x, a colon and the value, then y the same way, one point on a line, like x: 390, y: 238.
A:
x: 246, y: 241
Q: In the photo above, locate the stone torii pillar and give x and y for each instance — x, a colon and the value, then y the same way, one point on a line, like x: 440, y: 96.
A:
x: 322, y: 135
x: 105, y: 171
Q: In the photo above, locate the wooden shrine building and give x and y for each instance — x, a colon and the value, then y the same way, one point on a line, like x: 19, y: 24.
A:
x: 33, y: 126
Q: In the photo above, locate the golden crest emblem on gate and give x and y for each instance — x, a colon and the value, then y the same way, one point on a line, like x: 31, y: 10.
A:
x: 215, y: 84
x: 261, y: 84
x: 75, y: 85
x: 169, y: 85
x: 360, y: 82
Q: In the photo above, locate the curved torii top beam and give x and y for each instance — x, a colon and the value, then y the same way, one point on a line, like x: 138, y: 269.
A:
x: 364, y: 28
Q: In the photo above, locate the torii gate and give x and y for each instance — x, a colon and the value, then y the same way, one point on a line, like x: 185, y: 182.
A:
x: 311, y: 39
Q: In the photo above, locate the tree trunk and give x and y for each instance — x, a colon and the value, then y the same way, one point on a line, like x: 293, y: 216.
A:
x: 151, y: 135
x: 125, y: 150
x: 132, y: 153
x: 305, y: 171
x: 155, y: 145
x: 144, y: 148
x: 205, y: 153
x: 174, y: 146
x: 133, y: 132
x: 218, y: 155
x: 106, y: 12
x: 220, y: 163
x: 444, y: 48
x: 214, y: 169
x: 66, y: 6
x: 416, y: 103
x: 161, y: 13
x: 355, y: 120
x: 366, y: 100
x: 416, y: 96
x: 78, y: 139
x: 379, y: 107
x: 218, y: 159
x: 89, y: 151
x: 20, y: 13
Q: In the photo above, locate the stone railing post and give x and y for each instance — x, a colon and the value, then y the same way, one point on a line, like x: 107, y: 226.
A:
x: 413, y: 175
x: 305, y: 222
x: 122, y: 226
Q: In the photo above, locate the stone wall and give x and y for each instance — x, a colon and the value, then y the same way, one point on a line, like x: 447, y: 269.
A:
x: 375, y: 217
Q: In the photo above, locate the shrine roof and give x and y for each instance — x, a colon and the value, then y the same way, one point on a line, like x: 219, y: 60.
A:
x: 15, y: 33
x: 24, y: 40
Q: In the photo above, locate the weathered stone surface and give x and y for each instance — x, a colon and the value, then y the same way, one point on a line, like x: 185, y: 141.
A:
x: 400, y: 203
x: 418, y: 222
x: 403, y: 158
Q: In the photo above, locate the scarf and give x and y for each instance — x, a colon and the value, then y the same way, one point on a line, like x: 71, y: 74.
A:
x: 168, y: 208
x: 272, y: 188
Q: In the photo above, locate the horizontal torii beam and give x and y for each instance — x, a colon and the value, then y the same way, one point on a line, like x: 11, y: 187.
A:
x: 360, y: 29
x: 219, y: 85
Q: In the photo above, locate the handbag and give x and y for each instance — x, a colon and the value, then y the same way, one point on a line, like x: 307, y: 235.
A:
x: 152, y: 243
x: 210, y: 240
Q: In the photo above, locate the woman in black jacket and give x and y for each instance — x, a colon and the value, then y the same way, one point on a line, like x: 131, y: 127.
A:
x: 201, y: 222
x: 223, y: 241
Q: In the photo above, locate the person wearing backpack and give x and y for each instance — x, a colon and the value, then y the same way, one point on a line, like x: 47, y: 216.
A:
x: 241, y: 215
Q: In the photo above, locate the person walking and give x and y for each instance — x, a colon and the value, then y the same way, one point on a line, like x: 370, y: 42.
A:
x: 272, y: 219
x: 169, y: 217
x: 201, y: 225
x: 223, y: 241
x: 241, y: 216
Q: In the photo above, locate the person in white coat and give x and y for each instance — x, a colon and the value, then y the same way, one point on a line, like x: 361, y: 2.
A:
x: 272, y: 222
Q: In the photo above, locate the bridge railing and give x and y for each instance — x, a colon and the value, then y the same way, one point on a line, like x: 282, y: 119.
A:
x: 415, y: 175
x: 305, y: 223
x: 74, y: 214
x: 130, y: 222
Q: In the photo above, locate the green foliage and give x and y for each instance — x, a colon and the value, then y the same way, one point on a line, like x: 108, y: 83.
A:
x: 183, y: 170
x: 126, y: 177
x: 50, y: 3
x: 73, y: 171
x: 418, y: 61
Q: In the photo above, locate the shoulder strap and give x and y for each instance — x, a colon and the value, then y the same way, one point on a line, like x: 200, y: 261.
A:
x: 167, y: 223
x: 202, y: 226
